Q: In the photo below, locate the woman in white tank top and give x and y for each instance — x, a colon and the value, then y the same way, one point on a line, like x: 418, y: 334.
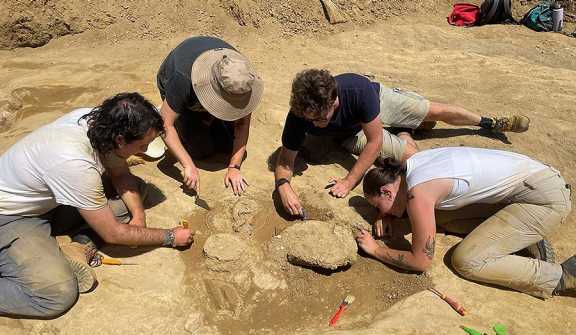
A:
x: 532, y: 200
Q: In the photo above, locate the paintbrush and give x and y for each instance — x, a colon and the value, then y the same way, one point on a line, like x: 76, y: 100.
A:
x: 345, y: 303
x: 456, y: 306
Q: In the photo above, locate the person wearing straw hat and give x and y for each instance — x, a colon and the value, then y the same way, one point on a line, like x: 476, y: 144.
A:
x: 209, y: 91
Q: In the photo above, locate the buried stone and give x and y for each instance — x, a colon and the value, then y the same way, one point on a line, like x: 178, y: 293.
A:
x: 319, y: 245
x: 224, y: 252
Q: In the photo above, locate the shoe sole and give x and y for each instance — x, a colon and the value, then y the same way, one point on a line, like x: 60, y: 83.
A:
x: 522, y: 129
x: 515, y: 129
x: 85, y: 276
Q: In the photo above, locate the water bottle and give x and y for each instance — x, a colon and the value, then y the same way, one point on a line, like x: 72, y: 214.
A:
x: 557, y: 17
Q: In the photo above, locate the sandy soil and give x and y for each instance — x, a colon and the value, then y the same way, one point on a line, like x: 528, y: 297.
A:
x: 491, y: 70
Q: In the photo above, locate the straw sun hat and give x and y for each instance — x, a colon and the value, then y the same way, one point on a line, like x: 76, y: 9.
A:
x: 226, y: 84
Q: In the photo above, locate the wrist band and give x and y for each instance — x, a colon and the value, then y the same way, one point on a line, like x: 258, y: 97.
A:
x: 235, y: 166
x: 169, y: 237
x: 281, y: 181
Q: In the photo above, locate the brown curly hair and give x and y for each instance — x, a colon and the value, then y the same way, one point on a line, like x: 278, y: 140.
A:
x: 313, y: 91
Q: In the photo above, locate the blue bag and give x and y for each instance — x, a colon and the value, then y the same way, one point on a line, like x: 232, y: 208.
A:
x: 539, y: 18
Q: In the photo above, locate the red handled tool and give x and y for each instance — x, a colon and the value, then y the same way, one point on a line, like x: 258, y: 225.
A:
x: 455, y: 305
x: 347, y: 301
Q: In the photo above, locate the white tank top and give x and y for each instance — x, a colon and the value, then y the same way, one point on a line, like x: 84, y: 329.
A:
x: 491, y: 175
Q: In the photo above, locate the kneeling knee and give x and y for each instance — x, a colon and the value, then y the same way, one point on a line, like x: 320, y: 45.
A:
x: 56, y: 298
x: 464, y: 263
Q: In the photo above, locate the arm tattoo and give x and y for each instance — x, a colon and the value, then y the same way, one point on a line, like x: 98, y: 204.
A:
x: 429, y: 247
x: 410, y: 196
x: 399, y: 262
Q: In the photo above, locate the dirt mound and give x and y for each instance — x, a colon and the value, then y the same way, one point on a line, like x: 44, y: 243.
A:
x: 224, y: 252
x: 319, y: 245
x: 34, y: 23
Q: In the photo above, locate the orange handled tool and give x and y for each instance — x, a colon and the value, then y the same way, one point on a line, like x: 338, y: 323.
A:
x: 114, y: 261
x: 456, y: 306
x: 347, y: 301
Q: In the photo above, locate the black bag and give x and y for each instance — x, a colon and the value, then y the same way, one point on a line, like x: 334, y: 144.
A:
x: 496, y: 11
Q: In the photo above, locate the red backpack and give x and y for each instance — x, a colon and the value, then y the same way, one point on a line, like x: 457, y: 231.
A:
x: 464, y: 14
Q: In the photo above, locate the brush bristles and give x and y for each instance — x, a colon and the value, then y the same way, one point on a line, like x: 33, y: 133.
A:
x: 349, y: 299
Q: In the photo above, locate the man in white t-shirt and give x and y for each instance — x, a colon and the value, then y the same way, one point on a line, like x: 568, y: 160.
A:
x: 61, y: 165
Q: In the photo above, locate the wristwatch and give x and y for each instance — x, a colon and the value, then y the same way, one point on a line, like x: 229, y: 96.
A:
x: 281, y: 181
x: 235, y: 166
x: 169, y: 237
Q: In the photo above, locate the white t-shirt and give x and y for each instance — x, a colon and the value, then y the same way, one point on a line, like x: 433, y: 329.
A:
x: 54, y: 165
x: 491, y: 175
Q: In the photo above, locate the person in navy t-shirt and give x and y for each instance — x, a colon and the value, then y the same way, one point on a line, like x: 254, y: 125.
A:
x: 354, y: 109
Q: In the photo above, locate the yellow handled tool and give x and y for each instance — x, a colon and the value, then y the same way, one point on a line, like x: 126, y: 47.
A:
x: 115, y: 261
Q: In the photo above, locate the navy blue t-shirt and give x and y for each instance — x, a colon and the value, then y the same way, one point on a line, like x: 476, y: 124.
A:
x: 359, y: 103
x: 174, y: 78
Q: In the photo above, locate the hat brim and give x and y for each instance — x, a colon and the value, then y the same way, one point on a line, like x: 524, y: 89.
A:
x: 210, y: 98
x: 156, y: 148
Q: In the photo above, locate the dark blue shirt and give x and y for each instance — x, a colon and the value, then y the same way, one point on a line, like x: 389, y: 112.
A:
x: 359, y: 103
x: 174, y: 77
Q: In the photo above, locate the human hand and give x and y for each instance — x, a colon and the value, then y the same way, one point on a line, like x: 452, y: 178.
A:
x: 290, y: 200
x: 366, y: 242
x: 235, y: 179
x: 183, y: 237
x: 138, y: 222
x: 191, y: 177
x: 340, y: 188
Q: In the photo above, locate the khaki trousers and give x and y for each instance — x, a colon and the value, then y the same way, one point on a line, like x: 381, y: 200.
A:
x: 398, y: 108
x: 538, y: 205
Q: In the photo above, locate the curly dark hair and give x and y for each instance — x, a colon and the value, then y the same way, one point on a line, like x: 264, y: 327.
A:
x: 313, y: 91
x: 390, y: 170
x: 127, y: 114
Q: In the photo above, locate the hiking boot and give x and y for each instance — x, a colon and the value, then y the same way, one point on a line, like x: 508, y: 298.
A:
x: 78, y: 256
x: 515, y: 124
x: 567, y: 282
x: 541, y: 250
